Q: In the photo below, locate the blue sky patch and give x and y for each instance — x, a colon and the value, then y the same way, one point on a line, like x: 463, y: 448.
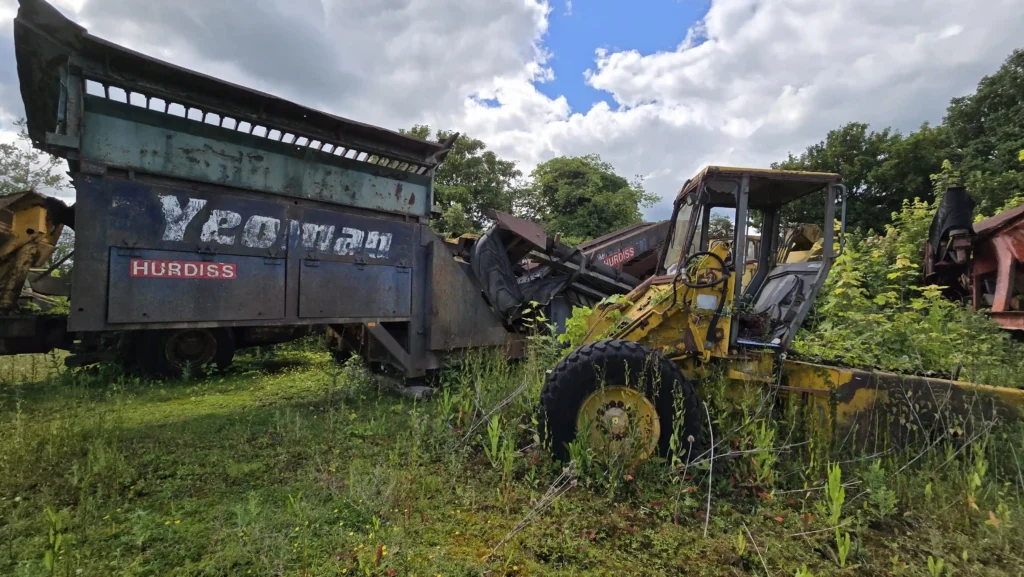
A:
x: 486, y: 102
x: 576, y: 29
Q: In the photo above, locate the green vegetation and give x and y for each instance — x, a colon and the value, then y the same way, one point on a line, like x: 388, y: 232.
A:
x: 291, y: 464
x: 22, y: 167
x: 579, y: 197
x: 875, y: 311
x: 583, y: 198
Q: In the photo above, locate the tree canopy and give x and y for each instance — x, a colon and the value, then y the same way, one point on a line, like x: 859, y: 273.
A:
x: 720, y: 226
x: 470, y: 181
x: 880, y: 169
x: 582, y: 197
x: 22, y: 167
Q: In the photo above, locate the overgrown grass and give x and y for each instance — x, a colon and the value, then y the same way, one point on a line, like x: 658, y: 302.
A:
x: 293, y: 465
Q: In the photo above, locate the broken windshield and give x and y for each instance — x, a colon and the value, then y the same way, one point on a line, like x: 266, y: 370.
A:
x: 679, y: 230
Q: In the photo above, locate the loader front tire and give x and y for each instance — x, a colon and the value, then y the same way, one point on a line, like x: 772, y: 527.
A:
x: 612, y: 368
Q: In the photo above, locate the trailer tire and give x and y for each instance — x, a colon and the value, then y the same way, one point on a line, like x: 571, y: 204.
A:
x: 164, y: 354
x: 576, y: 378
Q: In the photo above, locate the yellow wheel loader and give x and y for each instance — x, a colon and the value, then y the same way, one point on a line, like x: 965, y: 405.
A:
x: 644, y: 355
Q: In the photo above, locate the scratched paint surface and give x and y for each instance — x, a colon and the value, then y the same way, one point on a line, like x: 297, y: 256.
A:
x: 170, y: 146
x: 165, y: 252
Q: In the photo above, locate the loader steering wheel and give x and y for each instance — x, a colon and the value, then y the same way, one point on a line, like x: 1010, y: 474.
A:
x: 690, y: 262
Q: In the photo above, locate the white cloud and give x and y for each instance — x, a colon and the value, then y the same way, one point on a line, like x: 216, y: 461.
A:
x: 754, y: 80
x: 757, y: 79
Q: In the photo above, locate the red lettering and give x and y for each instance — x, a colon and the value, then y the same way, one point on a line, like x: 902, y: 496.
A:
x: 191, y: 269
x: 229, y: 270
x: 213, y: 271
x: 174, y: 269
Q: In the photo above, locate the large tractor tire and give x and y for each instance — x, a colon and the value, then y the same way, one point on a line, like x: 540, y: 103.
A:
x: 167, y: 353
x: 625, y: 394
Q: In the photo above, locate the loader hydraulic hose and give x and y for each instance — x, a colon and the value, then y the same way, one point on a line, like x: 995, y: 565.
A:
x: 697, y: 285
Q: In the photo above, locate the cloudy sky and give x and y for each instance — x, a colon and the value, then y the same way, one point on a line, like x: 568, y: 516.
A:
x: 657, y: 87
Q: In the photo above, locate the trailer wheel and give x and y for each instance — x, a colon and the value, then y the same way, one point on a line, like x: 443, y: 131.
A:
x: 623, y: 394
x: 168, y: 353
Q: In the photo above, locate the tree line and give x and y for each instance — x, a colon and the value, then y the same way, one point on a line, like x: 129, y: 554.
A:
x: 581, y: 197
x: 979, y: 141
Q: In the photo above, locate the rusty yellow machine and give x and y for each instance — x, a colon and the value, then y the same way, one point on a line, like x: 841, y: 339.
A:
x: 643, y: 356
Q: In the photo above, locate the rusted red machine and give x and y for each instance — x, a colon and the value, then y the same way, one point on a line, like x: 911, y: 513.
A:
x: 979, y: 262
x: 633, y: 250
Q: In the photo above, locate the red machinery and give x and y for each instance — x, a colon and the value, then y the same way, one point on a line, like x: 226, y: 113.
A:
x: 979, y: 262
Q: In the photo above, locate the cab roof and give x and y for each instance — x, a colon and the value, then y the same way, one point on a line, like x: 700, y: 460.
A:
x: 768, y: 188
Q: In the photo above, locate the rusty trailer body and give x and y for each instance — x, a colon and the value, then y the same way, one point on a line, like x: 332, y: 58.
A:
x: 997, y: 275
x: 210, y: 216
x: 979, y: 263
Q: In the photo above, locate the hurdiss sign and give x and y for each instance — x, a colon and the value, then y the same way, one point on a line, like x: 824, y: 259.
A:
x: 620, y: 257
x: 146, y: 268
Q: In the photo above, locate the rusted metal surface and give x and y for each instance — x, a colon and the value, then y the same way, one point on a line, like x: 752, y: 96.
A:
x: 459, y: 318
x: 633, y: 249
x: 880, y: 408
x: 524, y: 229
x: 103, y: 107
x: 991, y: 225
x: 768, y: 188
x: 159, y: 254
x: 30, y: 225
x: 119, y: 135
x: 996, y: 268
x: 45, y: 40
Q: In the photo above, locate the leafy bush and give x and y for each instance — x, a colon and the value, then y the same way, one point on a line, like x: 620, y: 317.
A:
x: 874, y: 312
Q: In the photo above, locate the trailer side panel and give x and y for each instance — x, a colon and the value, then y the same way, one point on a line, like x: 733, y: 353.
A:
x: 157, y: 253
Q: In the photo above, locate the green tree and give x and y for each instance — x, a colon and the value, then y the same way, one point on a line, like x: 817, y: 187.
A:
x: 22, y: 167
x: 987, y: 133
x: 720, y: 227
x: 881, y: 169
x: 987, y: 127
x: 470, y: 181
x: 582, y: 197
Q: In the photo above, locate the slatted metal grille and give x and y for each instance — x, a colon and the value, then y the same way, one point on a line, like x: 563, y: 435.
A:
x: 252, y: 127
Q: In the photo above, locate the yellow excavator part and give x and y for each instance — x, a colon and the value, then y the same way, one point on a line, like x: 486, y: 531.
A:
x: 28, y: 237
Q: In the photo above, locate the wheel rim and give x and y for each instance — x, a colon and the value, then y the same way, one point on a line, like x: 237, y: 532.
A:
x: 619, y: 422
x: 193, y: 347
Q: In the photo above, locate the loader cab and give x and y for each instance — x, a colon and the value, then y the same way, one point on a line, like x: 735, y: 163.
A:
x: 765, y: 300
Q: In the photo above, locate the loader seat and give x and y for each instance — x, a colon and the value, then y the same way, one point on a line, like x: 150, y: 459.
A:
x: 778, y: 301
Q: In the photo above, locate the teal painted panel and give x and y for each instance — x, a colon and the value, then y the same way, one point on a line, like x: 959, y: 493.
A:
x: 129, y: 137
